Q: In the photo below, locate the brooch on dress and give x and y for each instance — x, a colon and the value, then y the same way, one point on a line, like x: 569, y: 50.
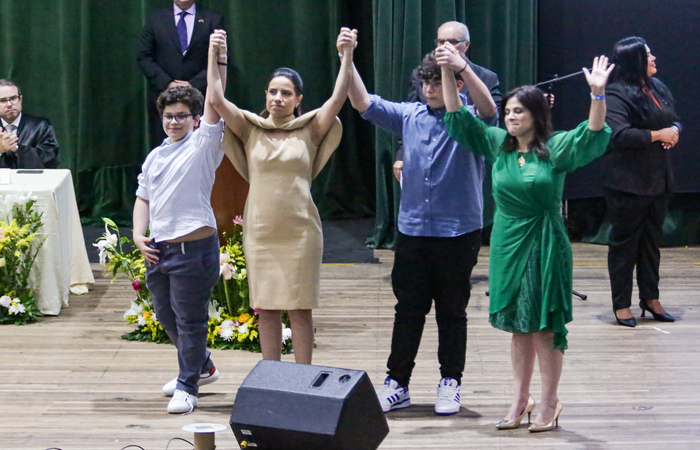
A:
x: 521, y: 161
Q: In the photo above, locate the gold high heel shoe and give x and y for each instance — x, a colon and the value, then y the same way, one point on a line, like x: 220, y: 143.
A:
x: 537, y: 427
x: 515, y: 423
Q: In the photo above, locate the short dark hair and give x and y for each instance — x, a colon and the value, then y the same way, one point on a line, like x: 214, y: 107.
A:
x: 293, y: 76
x: 429, y: 69
x: 535, y: 102
x: 187, y: 95
x: 8, y: 82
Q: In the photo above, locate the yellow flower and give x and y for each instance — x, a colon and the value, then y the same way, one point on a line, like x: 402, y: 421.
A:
x: 3, y: 263
x: 243, y: 317
x: 146, y: 315
x: 18, y: 253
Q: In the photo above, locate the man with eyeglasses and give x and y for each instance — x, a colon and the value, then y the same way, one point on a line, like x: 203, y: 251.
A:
x: 181, y: 252
x: 26, y: 142
x: 457, y: 34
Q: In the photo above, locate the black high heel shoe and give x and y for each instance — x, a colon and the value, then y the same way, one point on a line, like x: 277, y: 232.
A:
x: 631, y: 322
x: 665, y: 317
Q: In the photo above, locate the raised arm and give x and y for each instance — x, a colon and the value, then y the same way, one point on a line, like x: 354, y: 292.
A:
x: 447, y: 56
x: 597, y: 79
x: 347, y: 39
x: 216, y: 79
x: 217, y: 49
x: 359, y: 97
x: 449, y: 85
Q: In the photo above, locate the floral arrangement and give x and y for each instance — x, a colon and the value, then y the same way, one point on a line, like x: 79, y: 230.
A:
x: 233, y: 324
x: 19, y: 246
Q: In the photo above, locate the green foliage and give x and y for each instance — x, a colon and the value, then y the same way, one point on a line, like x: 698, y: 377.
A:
x: 233, y: 324
x: 19, y: 245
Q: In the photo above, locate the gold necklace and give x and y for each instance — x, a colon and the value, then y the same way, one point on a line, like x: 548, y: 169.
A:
x: 521, y: 159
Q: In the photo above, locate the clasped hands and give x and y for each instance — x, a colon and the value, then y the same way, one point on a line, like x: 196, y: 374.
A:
x: 347, y: 41
x: 8, y: 142
x: 448, y: 56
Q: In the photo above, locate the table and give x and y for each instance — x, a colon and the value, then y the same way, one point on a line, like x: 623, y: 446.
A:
x: 62, y: 263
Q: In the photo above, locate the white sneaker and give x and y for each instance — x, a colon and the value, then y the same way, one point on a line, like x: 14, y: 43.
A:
x: 204, y: 379
x: 392, y: 396
x: 449, y: 400
x: 182, y: 402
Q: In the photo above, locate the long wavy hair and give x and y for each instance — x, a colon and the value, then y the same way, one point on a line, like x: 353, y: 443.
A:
x: 534, y: 101
x: 631, y: 62
x: 295, y: 78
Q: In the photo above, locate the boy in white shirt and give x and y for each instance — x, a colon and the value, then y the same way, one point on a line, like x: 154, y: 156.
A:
x: 182, y: 251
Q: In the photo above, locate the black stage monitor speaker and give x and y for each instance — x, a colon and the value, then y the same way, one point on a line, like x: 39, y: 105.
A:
x: 287, y: 406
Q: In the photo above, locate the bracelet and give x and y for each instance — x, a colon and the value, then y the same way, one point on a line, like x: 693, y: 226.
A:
x: 340, y: 55
x: 466, y: 63
x: 597, y: 97
x: 223, y: 55
x: 222, y: 63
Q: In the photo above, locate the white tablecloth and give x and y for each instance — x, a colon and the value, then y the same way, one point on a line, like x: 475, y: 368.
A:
x: 62, y: 261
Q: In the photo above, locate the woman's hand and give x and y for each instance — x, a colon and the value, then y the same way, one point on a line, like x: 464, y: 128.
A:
x: 598, y: 76
x: 667, y: 136
x: 217, y: 43
x: 448, y: 56
x: 347, y: 41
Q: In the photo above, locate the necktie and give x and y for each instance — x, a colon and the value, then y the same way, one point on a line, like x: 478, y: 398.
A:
x: 182, y: 31
x: 11, y: 128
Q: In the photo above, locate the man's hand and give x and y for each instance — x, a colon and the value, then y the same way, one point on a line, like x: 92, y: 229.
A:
x: 149, y: 254
x: 8, y: 142
x: 178, y: 83
x: 448, y: 56
x: 398, y: 169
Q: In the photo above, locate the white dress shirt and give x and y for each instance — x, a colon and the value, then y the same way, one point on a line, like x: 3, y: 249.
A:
x: 176, y: 179
x: 15, y: 123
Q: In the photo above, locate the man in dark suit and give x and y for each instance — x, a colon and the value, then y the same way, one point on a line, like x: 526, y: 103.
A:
x: 173, y: 52
x: 457, y: 34
x: 26, y: 142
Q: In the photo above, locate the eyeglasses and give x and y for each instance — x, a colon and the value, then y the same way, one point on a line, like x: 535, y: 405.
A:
x: 178, y: 118
x: 14, y: 99
x: 440, y: 42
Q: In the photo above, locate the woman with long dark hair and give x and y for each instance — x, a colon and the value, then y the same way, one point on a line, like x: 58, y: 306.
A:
x: 530, y: 261
x: 638, y: 177
x: 279, y: 153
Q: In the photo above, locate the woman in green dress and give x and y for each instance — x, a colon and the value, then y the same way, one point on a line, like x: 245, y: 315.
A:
x: 530, y: 267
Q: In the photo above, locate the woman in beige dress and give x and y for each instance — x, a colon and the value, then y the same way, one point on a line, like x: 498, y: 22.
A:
x: 279, y: 153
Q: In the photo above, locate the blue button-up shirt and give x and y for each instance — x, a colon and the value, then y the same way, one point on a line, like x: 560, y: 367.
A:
x: 442, y: 182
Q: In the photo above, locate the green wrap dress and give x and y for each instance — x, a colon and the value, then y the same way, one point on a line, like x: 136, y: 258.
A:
x: 530, y: 267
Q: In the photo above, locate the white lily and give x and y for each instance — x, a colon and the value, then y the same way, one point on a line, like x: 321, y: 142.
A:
x: 108, y: 241
x: 286, y: 334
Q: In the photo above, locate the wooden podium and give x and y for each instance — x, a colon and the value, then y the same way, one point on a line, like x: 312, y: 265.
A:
x: 228, y: 197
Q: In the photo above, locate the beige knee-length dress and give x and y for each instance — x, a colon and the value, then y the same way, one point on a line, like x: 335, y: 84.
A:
x: 282, y: 235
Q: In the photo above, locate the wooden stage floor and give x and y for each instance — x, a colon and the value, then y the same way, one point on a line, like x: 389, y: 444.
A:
x: 71, y: 383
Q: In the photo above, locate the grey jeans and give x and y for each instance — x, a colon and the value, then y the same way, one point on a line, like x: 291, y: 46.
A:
x: 181, y: 284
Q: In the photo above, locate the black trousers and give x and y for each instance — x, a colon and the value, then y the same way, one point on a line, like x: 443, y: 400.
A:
x: 636, y: 225
x: 427, y: 269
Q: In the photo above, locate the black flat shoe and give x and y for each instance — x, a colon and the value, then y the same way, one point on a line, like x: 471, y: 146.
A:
x: 665, y: 317
x: 631, y: 322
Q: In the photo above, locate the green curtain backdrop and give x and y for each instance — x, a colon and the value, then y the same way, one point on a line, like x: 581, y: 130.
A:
x: 75, y: 61
x: 503, y: 35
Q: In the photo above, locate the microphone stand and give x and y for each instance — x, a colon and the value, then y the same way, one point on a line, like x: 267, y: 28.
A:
x: 558, y: 78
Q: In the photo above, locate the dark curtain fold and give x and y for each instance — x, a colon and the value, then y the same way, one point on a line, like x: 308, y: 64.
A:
x: 503, y: 35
